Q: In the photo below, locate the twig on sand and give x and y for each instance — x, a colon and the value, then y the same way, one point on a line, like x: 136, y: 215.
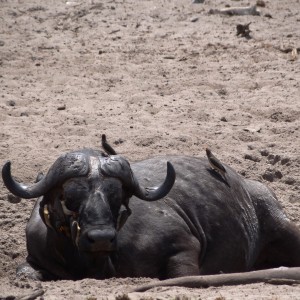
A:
x: 288, y: 49
x: 236, y: 11
x: 271, y: 276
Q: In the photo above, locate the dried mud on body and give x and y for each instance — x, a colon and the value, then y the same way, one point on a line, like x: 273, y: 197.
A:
x: 158, y: 77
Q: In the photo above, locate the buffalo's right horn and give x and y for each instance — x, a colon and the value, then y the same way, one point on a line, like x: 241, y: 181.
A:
x: 158, y: 192
x: 65, y: 167
x: 117, y: 166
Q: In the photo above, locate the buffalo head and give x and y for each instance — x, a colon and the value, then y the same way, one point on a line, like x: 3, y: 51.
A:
x: 85, y: 196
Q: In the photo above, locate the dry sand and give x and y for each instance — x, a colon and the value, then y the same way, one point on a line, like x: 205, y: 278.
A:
x: 158, y: 77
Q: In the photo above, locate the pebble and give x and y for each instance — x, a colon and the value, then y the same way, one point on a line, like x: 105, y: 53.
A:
x: 289, y: 180
x: 253, y: 129
x: 194, y: 19
x: 271, y: 175
x: 261, y: 3
x: 252, y: 157
x: 285, y: 160
x: 13, y: 199
x: 119, y: 141
x: 11, y: 103
x: 61, y: 107
x: 264, y: 152
x: 273, y: 159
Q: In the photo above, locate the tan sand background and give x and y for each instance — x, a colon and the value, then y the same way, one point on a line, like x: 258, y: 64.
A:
x: 158, y: 77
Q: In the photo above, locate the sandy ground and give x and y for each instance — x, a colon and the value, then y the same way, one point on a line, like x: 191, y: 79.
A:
x: 158, y: 77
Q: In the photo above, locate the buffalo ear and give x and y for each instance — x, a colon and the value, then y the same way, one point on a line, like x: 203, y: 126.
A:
x: 46, y: 217
x: 124, y: 214
x: 51, y: 211
x: 46, y: 214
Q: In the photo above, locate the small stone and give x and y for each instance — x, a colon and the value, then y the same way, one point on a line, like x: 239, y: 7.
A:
x: 253, y: 129
x: 285, y: 160
x: 252, y: 157
x: 13, y: 199
x: 194, y: 19
x: 11, y: 103
x: 289, y: 180
x: 273, y: 159
x: 223, y: 119
x: 119, y: 141
x: 267, y: 15
x: 278, y: 174
x: 222, y: 92
x: 243, y: 30
x: 61, y: 107
x: 24, y: 114
x: 268, y: 175
x: 261, y: 3
x: 2, y: 43
x: 271, y: 175
x: 264, y: 152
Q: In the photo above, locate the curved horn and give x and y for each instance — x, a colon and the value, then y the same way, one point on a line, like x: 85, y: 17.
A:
x: 13, y: 186
x: 155, y: 193
x: 65, y: 167
x: 117, y: 166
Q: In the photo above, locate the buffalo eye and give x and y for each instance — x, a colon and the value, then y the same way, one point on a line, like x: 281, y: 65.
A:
x: 75, y: 192
x: 112, y: 188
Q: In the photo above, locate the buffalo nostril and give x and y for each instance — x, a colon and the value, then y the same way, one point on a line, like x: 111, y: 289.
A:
x: 98, y: 235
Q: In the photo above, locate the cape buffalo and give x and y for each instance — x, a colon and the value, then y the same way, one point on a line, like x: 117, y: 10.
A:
x: 202, y: 225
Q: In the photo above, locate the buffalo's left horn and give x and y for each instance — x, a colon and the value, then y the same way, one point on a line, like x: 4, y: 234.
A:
x: 155, y: 193
x: 65, y: 167
x: 19, y: 189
